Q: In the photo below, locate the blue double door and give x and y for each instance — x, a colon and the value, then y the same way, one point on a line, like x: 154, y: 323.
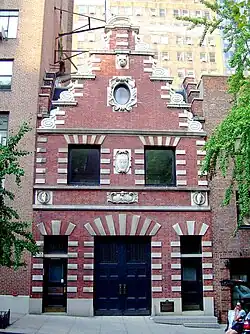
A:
x: 122, y: 279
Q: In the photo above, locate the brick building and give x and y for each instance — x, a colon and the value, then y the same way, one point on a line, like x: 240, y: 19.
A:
x: 28, y: 29
x: 121, y: 211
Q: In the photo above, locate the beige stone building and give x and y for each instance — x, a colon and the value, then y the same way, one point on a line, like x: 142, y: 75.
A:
x: 28, y: 31
x: 177, y: 48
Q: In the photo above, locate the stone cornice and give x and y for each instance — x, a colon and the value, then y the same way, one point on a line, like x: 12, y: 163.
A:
x: 127, y: 132
x: 118, y: 207
x: 125, y: 51
x: 119, y: 188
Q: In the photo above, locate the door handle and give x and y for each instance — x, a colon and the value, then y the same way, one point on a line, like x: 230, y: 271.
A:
x: 124, y: 289
x: 120, y: 289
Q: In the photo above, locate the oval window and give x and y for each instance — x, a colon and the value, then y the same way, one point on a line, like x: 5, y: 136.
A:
x: 122, y: 94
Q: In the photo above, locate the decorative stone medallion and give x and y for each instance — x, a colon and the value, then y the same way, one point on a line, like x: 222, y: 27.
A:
x: 176, y: 98
x: 43, y: 197
x: 122, y: 161
x: 199, y: 198
x: 122, y: 197
x: 122, y: 61
x: 122, y: 94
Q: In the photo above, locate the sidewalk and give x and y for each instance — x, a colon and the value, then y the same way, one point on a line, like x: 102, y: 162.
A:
x: 62, y: 324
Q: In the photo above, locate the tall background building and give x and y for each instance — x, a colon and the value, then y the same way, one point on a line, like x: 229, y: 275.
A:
x: 28, y: 44
x: 177, y: 48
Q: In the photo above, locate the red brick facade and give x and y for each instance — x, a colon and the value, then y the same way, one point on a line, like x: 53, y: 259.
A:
x: 158, y: 117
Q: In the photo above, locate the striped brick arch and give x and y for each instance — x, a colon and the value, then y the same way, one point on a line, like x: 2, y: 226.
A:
x: 122, y: 224
x: 84, y: 139
x: 190, y: 228
x: 56, y: 228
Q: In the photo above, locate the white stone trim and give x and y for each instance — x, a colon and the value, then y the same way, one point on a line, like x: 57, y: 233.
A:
x: 37, y: 265
x: 40, y: 181
x: 40, y: 170
x: 39, y: 243
x: 61, y: 181
x: 73, y: 243
x: 175, y: 243
x: 138, y: 182
x: 207, y: 265
x: 37, y: 277
x: 180, y: 152
x: 207, y: 254
x: 104, y: 181
x: 72, y: 255
x: 206, y: 243
x: 156, y: 289
x: 88, y: 266
x: 175, y: 266
x: 88, y: 255
x: 41, y: 150
x: 190, y: 227
x: 71, y: 289
x: 156, y: 243
x: 200, y: 152
x: 200, y: 142
x: 105, y: 161
x: 62, y: 160
x: 207, y: 276
x: 176, y: 277
x: 208, y: 288
x: 139, y: 172
x: 72, y: 266
x: 175, y: 254
x: 37, y: 289
x: 88, y: 278
x: 42, y: 139
x: 181, y: 172
x: 139, y: 161
x: 104, y: 171
x: 63, y: 150
x: 202, y: 183
x: 88, y: 243
x: 156, y: 266
x: 72, y: 277
x: 156, y: 255
x: 88, y: 289
x: 62, y: 170
x: 176, y: 288
x: 156, y: 277
x: 139, y: 151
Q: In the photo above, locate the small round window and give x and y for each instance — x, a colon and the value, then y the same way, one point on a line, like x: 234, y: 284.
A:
x: 121, y: 94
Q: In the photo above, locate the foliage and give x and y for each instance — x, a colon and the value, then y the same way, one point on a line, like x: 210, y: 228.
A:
x: 228, y: 149
x: 15, y: 235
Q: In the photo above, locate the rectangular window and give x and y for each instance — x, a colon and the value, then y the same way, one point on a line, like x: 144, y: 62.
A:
x: 190, y: 244
x: 211, y: 41
x: 188, y: 40
x: 55, y: 244
x: 185, y: 12
x: 3, y: 128
x: 159, y: 167
x: 198, y: 13
x: 9, y: 22
x: 180, y: 56
x: 162, y: 12
x: 84, y: 164
x: 179, y: 40
x: 181, y: 73
x: 165, y: 56
x: 153, y: 11
x: 189, y: 56
x: 176, y: 12
x: 138, y: 11
x: 212, y: 57
x: 206, y: 15
x: 203, y: 56
x: 6, y: 66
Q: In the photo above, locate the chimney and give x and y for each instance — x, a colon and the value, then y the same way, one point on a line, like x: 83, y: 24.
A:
x: 120, y: 34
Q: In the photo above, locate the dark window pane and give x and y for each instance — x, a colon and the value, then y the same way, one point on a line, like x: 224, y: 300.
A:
x: 56, y: 244
x: 190, y: 244
x: 122, y: 94
x: 84, y: 165
x: 160, y: 167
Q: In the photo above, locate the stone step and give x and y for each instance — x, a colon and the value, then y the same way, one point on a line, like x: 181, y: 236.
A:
x: 180, y: 320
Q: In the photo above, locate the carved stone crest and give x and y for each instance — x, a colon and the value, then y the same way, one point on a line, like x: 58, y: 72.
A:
x: 127, y: 83
x: 43, y: 197
x: 122, y: 161
x: 199, y: 198
x: 122, y: 197
x: 122, y: 61
x: 49, y: 122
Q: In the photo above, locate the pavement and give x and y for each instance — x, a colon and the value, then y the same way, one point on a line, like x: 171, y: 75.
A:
x: 63, y: 324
